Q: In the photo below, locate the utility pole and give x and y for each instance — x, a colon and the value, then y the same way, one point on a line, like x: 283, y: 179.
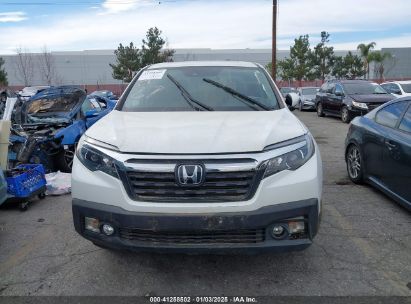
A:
x: 274, y: 50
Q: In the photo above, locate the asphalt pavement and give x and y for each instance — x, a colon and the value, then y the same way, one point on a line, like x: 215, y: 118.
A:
x: 363, y: 248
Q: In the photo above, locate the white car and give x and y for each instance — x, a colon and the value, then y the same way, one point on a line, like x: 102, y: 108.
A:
x: 398, y: 88
x: 198, y: 157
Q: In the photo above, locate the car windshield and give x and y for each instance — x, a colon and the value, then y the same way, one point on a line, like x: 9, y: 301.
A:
x: 212, y: 88
x: 309, y: 91
x: 286, y: 90
x: 406, y: 87
x: 363, y: 88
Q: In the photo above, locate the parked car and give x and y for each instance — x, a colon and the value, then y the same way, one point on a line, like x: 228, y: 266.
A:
x: 307, y: 98
x: 200, y: 157
x: 28, y: 92
x: 106, y: 94
x: 52, y: 123
x: 378, y: 150
x: 349, y: 98
x: 286, y: 90
x: 398, y: 88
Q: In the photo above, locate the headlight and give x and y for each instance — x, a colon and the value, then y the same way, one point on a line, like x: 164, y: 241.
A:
x: 291, y: 160
x: 360, y: 105
x: 95, y: 160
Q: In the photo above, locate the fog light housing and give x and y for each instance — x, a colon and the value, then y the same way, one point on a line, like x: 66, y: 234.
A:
x: 278, y: 231
x: 107, y: 229
x: 296, y: 227
x: 92, y: 224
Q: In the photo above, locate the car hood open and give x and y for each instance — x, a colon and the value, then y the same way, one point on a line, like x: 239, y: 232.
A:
x: 372, y: 98
x: 196, y: 132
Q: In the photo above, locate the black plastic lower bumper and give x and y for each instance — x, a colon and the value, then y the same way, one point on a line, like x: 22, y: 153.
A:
x: 155, y: 224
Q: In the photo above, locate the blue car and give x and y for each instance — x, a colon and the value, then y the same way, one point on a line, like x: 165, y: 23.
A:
x: 52, y: 123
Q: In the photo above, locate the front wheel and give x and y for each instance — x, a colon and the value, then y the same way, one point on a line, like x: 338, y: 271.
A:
x: 345, y: 115
x: 300, y: 106
x: 320, y: 111
x: 354, y: 164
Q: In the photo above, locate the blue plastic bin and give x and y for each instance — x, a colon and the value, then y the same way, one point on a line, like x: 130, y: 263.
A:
x: 25, y: 180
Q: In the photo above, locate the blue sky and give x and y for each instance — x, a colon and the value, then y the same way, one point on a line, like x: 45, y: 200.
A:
x: 103, y: 24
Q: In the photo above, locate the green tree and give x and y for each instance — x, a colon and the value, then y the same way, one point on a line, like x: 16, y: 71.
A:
x: 3, y: 74
x: 286, y: 69
x: 322, y: 58
x: 128, y: 61
x: 350, y: 67
x: 151, y: 49
x: 365, y: 50
x: 379, y: 58
x: 300, y: 54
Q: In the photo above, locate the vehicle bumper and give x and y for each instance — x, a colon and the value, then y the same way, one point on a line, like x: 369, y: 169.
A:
x: 308, y: 105
x: 156, y: 224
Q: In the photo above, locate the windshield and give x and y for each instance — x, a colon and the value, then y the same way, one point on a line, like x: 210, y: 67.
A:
x: 201, y: 88
x: 406, y: 87
x: 310, y: 91
x: 286, y: 90
x: 363, y: 88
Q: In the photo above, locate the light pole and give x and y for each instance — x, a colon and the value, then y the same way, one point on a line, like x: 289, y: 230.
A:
x: 274, y: 46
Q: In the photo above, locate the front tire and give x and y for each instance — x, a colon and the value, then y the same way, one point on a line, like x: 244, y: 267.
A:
x: 355, y: 166
x: 345, y: 115
x: 320, y: 111
x: 300, y: 106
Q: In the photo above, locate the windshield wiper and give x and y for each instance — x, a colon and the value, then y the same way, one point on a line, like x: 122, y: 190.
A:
x: 237, y: 94
x: 190, y: 100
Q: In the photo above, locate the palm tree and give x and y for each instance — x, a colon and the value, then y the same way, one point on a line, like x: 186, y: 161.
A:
x: 380, y: 59
x: 365, y: 50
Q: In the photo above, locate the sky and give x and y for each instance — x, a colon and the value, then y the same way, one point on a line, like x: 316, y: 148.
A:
x: 70, y: 25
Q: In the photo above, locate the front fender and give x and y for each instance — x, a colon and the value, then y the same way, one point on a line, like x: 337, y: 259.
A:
x: 72, y: 133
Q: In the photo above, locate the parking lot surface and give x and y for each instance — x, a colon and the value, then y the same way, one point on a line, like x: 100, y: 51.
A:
x: 363, y: 248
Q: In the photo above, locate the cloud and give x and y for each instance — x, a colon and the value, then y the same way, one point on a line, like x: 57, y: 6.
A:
x: 213, y: 24
x: 117, y: 6
x: 12, y: 16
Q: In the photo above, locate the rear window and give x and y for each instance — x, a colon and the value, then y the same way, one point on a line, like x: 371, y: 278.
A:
x: 363, y: 88
x: 218, y: 88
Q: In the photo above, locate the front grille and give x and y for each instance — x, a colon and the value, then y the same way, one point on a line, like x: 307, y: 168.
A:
x: 217, y: 186
x: 250, y: 236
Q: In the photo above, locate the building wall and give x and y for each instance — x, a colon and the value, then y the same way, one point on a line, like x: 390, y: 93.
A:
x: 91, y: 68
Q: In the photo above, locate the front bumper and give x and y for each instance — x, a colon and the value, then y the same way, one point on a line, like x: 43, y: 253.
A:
x: 308, y: 105
x: 154, y: 225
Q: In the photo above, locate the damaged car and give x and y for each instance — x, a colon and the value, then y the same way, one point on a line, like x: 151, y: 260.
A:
x: 51, y: 124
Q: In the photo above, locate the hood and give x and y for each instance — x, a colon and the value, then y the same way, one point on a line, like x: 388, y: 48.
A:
x: 53, y: 105
x: 372, y: 98
x: 308, y: 97
x: 196, y: 132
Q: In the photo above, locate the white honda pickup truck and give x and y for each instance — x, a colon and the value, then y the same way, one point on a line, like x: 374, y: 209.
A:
x: 199, y: 157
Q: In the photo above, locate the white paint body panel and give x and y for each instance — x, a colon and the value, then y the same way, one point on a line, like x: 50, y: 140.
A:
x: 196, y: 132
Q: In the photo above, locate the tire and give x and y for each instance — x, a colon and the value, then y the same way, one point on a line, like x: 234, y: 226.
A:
x: 345, y: 115
x: 64, y: 160
x: 320, y: 111
x: 300, y: 106
x: 42, y: 196
x: 355, y: 167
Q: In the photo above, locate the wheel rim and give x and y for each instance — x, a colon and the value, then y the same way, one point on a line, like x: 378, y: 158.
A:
x: 344, y: 114
x: 69, y: 157
x: 354, y: 163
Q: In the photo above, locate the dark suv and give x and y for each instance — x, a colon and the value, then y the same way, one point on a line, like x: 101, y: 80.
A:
x: 349, y: 98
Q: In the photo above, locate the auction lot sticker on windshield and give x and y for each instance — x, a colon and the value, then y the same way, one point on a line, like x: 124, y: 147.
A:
x: 152, y: 74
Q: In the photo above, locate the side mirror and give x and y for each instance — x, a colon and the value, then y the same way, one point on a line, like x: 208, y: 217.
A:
x: 339, y: 93
x: 398, y: 92
x: 91, y: 113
